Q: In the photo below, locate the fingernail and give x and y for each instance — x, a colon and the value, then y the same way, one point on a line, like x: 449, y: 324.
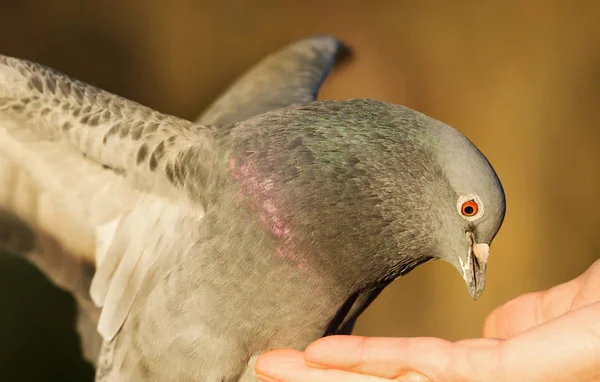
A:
x: 266, y: 378
x: 413, y: 377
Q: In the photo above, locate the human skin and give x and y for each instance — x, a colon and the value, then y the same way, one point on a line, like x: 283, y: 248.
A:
x: 547, y: 336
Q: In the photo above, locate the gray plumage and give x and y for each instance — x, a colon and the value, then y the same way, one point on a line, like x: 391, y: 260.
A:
x: 274, y: 221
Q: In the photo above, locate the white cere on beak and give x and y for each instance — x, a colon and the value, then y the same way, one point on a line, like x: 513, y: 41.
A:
x: 482, y: 252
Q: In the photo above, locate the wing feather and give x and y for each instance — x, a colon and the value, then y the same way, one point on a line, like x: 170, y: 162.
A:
x: 291, y: 75
x: 88, y: 172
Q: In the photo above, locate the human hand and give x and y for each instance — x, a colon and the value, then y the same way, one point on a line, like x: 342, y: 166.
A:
x: 546, y: 336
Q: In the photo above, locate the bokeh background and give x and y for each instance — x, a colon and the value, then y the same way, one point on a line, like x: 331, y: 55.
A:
x: 520, y: 78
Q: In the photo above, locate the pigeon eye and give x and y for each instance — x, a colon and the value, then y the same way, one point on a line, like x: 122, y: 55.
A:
x: 469, y: 208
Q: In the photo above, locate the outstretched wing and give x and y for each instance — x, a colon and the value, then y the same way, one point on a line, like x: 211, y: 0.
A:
x: 91, y: 178
x: 292, y: 75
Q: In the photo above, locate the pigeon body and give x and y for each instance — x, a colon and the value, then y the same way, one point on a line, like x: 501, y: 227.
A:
x: 272, y: 222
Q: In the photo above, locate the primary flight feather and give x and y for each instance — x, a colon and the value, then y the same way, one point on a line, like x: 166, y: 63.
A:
x: 273, y: 221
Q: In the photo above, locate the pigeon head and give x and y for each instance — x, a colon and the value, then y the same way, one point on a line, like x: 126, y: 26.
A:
x: 369, y: 190
x: 472, y: 210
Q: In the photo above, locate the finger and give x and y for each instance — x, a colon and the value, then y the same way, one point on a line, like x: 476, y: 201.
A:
x: 531, y: 309
x: 564, y: 349
x: 390, y: 358
x: 289, y: 366
x: 590, y: 287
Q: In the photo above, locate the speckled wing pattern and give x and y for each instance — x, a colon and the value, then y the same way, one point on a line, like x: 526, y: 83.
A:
x: 98, y: 174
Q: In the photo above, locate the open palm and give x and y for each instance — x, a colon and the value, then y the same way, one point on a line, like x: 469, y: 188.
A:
x: 546, y: 336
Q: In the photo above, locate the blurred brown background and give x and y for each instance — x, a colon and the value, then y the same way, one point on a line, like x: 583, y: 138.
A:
x: 521, y: 79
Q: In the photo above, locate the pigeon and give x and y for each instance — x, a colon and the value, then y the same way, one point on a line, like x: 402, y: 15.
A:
x: 274, y: 220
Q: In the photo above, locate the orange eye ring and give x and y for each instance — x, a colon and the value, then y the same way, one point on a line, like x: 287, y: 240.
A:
x: 469, y: 208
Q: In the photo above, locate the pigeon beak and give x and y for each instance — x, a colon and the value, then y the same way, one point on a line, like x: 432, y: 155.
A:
x: 474, y: 270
